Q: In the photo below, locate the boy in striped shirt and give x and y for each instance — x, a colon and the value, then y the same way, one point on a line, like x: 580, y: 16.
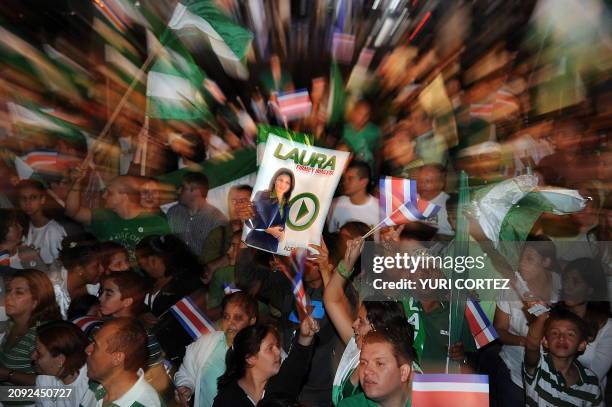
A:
x: 557, y: 378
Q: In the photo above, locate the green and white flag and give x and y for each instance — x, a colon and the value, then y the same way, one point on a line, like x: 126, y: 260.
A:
x: 30, y: 60
x: 508, y: 210
x: 32, y: 119
x: 229, y: 41
x: 174, y: 82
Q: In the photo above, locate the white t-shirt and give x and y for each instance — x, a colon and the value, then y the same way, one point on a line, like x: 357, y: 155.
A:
x: 47, y: 239
x: 80, y: 395
x: 598, y: 354
x: 343, y: 211
x: 440, y: 221
x: 510, y: 303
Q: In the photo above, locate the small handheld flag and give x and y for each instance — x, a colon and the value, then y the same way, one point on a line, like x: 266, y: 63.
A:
x: 191, y: 318
x: 294, y: 105
x: 298, y: 258
x: 482, y: 329
x: 442, y: 390
x: 5, y: 258
x: 399, y: 203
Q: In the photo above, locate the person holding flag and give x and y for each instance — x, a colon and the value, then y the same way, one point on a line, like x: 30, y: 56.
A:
x: 204, y: 359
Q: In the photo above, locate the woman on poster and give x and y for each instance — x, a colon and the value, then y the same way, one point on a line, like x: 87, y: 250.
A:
x: 271, y: 210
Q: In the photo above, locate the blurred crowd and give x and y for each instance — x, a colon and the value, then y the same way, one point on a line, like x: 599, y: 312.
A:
x: 123, y: 196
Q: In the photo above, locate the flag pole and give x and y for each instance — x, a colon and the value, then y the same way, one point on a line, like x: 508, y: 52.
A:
x: 121, y: 103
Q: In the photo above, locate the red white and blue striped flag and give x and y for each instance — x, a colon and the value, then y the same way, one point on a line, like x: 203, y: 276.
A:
x: 191, y: 318
x: 5, y: 258
x: 442, y: 390
x: 399, y: 202
x: 49, y: 161
x: 86, y: 322
x: 482, y: 329
x: 294, y: 105
x: 482, y: 110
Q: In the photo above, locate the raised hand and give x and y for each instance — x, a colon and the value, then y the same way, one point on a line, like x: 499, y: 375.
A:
x: 308, y: 329
x: 353, y: 251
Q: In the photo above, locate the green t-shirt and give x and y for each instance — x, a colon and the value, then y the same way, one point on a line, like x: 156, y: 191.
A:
x: 435, y: 349
x: 222, y: 276
x: 360, y: 400
x: 364, y: 142
x: 107, y: 225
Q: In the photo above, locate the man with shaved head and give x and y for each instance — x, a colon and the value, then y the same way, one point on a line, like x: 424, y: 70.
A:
x: 123, y: 219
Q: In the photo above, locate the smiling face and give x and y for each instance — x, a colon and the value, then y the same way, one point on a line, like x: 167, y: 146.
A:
x: 380, y: 374
x: 563, y: 339
x: 268, y: 359
x: 19, y: 300
x: 234, y: 320
x: 282, y: 184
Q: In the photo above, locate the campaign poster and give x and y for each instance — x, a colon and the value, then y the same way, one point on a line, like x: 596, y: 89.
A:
x: 292, y: 194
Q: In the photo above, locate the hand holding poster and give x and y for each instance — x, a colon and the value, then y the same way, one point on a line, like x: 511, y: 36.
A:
x: 294, y: 188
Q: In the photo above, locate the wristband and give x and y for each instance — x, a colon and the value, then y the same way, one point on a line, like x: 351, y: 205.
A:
x: 341, y: 269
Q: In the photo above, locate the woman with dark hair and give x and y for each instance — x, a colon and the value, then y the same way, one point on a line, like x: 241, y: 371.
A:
x: 585, y: 294
x: 204, y: 359
x: 79, y: 273
x: 253, y: 366
x: 271, y: 211
x: 13, y: 223
x: 174, y: 271
x: 382, y: 316
x: 29, y: 302
x: 59, y: 358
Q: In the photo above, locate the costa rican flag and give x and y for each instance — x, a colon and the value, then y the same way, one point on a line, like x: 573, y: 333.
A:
x: 191, y: 318
x: 399, y: 203
x: 86, y: 322
x: 443, y: 390
x: 5, y: 258
x: 481, y: 110
x: 294, y: 105
x: 482, y: 329
x: 49, y: 161
x: 298, y: 258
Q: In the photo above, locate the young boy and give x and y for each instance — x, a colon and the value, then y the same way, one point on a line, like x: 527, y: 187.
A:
x: 557, y: 378
x: 44, y: 234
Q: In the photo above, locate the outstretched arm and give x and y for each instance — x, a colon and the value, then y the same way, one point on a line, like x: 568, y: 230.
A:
x: 336, y: 303
x: 73, y: 201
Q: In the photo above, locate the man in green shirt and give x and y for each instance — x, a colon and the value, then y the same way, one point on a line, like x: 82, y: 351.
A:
x: 114, y: 359
x: 360, y: 135
x: 123, y: 220
x: 385, y: 372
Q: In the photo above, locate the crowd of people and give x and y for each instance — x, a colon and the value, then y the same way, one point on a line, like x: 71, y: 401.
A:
x: 100, y: 248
